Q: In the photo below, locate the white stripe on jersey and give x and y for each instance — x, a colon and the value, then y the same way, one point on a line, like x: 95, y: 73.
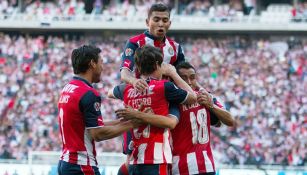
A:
x: 208, y: 163
x: 175, y: 168
x: 82, y: 158
x: 166, y: 53
x: 158, y: 155
x: 141, y: 153
x: 177, y: 48
x: 131, y: 160
x: 66, y: 156
x: 192, y: 163
x: 167, y: 151
x: 149, y: 41
x: 89, y: 147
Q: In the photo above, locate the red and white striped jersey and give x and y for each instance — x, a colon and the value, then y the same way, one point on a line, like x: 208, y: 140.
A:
x: 192, y: 153
x: 172, y: 51
x: 151, y: 145
x: 79, y: 110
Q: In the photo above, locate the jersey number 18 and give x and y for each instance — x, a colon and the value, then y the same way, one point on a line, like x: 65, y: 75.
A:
x: 199, y: 127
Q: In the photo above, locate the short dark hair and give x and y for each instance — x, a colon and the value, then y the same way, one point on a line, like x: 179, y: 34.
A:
x: 184, y: 65
x: 82, y: 56
x: 146, y: 58
x: 158, y: 7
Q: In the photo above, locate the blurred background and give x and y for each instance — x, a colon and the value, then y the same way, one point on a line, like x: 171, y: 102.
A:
x: 252, y: 54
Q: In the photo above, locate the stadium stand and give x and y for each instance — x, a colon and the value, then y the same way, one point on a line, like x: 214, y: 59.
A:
x: 260, y: 79
x: 261, y: 85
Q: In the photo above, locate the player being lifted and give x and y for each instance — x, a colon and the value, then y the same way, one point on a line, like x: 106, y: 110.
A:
x: 158, y: 23
x: 152, y: 150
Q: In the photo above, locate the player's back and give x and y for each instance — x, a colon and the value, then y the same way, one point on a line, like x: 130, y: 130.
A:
x: 78, y: 147
x: 151, y: 144
x: 192, y: 153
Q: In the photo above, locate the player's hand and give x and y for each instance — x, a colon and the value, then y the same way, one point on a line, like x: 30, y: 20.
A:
x: 127, y: 113
x: 136, y: 123
x: 140, y: 84
x: 205, y: 99
x: 168, y: 69
x: 148, y: 110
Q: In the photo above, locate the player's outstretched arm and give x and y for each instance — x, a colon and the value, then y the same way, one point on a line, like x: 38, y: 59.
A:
x: 108, y: 132
x: 170, y: 71
x: 205, y: 99
x: 148, y: 117
x: 126, y: 76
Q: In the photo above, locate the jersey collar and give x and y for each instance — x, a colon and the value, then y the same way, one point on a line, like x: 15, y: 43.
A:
x: 153, y: 37
x: 148, y: 79
x: 83, y: 80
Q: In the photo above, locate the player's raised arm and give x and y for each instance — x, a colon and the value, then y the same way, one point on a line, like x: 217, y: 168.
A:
x: 206, y: 99
x: 170, y: 71
x: 127, y: 67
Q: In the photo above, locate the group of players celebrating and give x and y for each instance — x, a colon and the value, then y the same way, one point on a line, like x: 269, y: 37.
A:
x: 167, y: 118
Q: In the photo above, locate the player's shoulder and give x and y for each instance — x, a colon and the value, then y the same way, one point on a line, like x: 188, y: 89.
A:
x: 166, y: 84
x: 83, y: 88
x: 125, y: 88
x: 171, y: 40
x: 136, y: 38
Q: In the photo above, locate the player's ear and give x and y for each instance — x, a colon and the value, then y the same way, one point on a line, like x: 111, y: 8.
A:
x: 168, y: 26
x: 147, y: 22
x: 157, y: 65
x: 93, y: 64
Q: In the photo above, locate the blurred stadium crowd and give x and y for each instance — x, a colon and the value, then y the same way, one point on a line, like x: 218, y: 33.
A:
x: 217, y: 10
x: 262, y: 82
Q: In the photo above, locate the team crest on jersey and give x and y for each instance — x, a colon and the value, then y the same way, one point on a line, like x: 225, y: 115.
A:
x: 171, y: 51
x: 97, y: 106
x: 128, y: 52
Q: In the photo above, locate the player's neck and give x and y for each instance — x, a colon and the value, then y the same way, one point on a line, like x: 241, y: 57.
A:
x: 86, y: 77
x: 154, y: 75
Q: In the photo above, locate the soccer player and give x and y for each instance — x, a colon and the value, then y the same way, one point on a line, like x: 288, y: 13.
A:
x: 192, y: 153
x: 158, y: 23
x: 80, y: 118
x: 152, y: 150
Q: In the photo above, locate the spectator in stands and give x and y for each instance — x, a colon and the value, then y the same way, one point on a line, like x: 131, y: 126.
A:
x: 198, y: 7
x: 269, y: 91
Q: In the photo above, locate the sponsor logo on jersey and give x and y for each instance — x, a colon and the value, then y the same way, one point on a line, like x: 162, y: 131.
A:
x: 127, y: 63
